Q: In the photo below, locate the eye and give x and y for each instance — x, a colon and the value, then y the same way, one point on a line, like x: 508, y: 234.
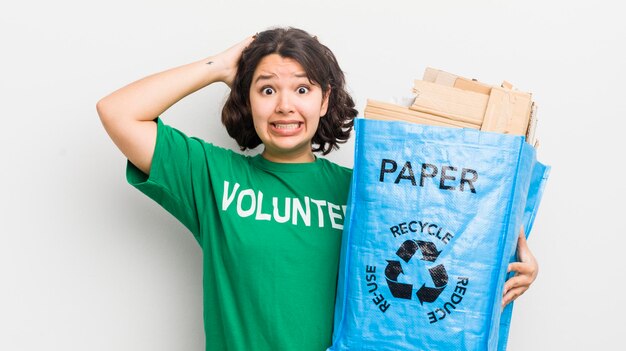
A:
x: 303, y: 90
x: 267, y: 91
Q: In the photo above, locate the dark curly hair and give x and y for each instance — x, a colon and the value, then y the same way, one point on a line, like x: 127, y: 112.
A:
x: 321, y: 68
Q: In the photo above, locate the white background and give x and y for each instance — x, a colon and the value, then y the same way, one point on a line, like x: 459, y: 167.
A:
x: 88, y: 263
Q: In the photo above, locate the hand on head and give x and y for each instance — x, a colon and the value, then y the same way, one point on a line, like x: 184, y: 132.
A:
x: 228, y: 60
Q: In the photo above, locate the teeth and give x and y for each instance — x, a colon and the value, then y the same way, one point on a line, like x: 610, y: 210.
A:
x: 287, y: 126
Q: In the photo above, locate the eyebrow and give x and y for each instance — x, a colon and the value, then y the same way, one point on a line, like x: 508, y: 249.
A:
x: 270, y: 76
x: 264, y: 77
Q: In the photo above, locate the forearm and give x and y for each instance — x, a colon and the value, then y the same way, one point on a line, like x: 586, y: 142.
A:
x: 149, y: 97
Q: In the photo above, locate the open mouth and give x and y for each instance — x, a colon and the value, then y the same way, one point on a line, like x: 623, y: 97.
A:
x: 287, y: 126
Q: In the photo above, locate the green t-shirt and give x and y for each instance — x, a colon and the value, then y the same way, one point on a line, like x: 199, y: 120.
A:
x: 270, y: 235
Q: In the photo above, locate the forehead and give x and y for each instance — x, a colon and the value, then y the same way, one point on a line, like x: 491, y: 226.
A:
x: 277, y: 66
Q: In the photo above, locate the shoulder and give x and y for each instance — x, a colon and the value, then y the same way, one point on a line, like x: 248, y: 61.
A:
x: 170, y: 135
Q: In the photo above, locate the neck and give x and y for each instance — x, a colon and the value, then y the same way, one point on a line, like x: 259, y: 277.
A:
x: 305, y: 157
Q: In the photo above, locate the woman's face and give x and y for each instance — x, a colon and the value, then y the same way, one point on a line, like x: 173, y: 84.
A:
x: 286, y: 109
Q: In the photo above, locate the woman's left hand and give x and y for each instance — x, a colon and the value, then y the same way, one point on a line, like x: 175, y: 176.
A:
x: 525, y: 271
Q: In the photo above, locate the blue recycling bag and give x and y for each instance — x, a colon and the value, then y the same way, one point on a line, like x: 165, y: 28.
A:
x: 433, y: 219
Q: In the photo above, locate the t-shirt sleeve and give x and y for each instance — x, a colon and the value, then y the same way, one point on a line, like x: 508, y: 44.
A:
x: 177, y: 163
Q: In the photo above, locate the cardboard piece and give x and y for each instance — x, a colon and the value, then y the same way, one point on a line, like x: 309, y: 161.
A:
x: 446, y: 101
x: 472, y: 85
x: 531, y: 137
x: 508, y: 112
x: 430, y: 74
x: 386, y: 111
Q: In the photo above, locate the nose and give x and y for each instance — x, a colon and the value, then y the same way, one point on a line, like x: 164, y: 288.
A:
x: 284, y: 105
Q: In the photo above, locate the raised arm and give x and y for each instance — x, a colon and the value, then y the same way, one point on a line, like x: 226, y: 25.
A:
x: 128, y: 113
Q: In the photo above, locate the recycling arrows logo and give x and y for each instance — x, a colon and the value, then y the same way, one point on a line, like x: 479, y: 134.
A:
x: 438, y: 273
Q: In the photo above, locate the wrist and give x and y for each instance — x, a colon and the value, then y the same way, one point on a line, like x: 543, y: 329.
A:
x: 218, y: 70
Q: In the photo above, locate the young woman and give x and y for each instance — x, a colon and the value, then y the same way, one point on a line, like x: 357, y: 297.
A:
x: 269, y: 225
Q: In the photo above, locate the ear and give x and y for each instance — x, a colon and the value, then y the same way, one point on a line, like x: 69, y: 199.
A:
x: 325, y: 99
